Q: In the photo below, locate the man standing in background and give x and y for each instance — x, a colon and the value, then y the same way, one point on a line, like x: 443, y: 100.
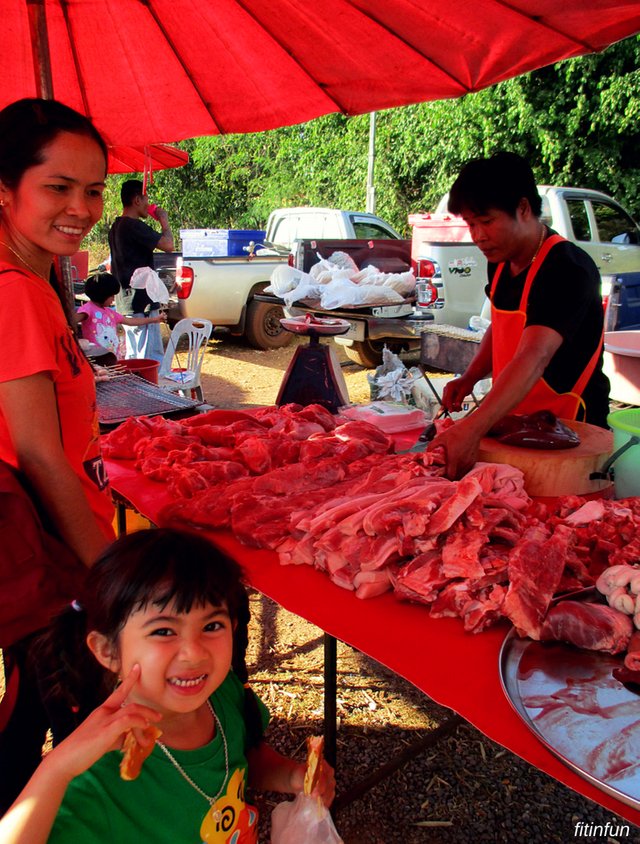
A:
x: 132, y: 243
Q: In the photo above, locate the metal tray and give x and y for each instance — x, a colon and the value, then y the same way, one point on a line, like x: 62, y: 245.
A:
x: 572, y: 703
x: 124, y: 396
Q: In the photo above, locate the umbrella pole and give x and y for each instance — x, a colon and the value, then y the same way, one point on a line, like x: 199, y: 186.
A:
x: 44, y: 89
x: 40, y: 49
x: 371, y: 190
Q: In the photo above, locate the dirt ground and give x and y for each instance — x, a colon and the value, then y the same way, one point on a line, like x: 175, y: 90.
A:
x: 235, y: 375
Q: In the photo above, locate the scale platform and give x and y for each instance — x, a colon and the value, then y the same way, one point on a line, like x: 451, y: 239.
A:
x: 314, y: 375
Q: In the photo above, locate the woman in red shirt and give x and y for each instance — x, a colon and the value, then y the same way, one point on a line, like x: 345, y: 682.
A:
x: 53, y: 165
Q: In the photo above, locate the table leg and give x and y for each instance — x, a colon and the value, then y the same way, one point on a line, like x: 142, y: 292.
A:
x: 330, y: 692
x: 121, y: 518
x: 433, y: 737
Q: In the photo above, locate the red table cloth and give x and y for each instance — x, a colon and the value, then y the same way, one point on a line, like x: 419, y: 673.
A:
x: 455, y: 669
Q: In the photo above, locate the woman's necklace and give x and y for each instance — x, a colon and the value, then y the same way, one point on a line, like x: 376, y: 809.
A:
x: 217, y: 816
x: 24, y: 261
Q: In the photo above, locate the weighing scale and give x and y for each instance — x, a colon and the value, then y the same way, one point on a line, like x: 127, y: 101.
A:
x: 314, y: 375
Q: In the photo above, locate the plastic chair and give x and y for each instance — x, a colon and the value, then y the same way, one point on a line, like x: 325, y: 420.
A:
x: 180, y: 369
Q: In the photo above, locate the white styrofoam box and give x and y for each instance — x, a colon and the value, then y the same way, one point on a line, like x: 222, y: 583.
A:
x: 204, y: 243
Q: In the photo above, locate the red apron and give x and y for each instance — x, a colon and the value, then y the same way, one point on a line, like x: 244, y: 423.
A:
x: 506, y: 332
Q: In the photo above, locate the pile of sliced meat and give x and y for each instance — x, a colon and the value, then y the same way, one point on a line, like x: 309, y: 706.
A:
x: 331, y: 493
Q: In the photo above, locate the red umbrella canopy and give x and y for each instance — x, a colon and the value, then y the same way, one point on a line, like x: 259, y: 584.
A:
x: 164, y: 70
x: 146, y: 159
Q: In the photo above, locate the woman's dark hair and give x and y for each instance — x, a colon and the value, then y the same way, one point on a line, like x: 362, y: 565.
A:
x: 28, y: 126
x: 498, y: 182
x: 159, y: 566
x: 100, y: 286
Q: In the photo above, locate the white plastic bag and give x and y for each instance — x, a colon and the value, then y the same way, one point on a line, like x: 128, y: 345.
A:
x: 145, y: 278
x: 340, y: 293
x: 343, y: 261
x: 284, y: 279
x: 305, y: 820
x: 378, y: 294
x: 303, y: 291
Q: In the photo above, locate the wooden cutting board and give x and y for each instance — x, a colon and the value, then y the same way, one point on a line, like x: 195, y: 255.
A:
x: 557, y: 472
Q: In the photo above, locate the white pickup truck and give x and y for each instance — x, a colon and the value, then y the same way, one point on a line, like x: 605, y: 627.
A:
x: 287, y: 225
x: 451, y: 271
x: 222, y: 288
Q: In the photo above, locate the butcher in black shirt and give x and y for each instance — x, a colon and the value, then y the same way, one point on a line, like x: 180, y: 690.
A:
x: 544, y: 345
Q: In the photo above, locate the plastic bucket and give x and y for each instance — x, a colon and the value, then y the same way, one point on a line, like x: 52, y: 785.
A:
x: 146, y: 368
x: 626, y: 467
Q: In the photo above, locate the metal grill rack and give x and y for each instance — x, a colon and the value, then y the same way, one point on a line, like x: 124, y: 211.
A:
x: 124, y: 396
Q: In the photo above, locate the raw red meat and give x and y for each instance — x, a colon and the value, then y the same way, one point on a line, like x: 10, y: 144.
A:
x: 370, y: 584
x: 121, y: 442
x: 421, y: 579
x: 155, y: 468
x: 153, y: 446
x: 461, y: 552
x: 535, y: 570
x: 377, y: 440
x: 484, y: 609
x: 255, y: 454
x: 221, y: 417
x: 318, y: 414
x: 299, y: 476
x: 632, y: 657
x: 595, y: 627
x: 409, y: 508
x: 452, y: 600
x: 468, y: 489
x: 339, y: 499
x: 216, y: 435
x: 186, y: 483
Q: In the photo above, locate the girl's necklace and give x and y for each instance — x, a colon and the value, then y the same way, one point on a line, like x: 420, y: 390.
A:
x: 24, y: 261
x: 217, y: 816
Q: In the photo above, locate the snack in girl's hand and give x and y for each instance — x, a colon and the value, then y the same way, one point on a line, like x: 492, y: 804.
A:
x: 307, y: 818
x: 134, y: 753
x: 315, y: 748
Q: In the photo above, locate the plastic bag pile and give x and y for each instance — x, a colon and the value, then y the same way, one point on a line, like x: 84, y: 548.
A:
x: 336, y: 282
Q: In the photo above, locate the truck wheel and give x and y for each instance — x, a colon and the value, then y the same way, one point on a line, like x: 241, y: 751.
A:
x: 365, y: 353
x: 262, y: 327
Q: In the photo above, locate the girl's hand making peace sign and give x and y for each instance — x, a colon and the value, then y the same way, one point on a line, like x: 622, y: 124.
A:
x: 103, y: 730
x: 30, y: 819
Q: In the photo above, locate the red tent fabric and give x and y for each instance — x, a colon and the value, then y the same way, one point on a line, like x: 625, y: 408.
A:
x: 145, y: 159
x: 164, y: 70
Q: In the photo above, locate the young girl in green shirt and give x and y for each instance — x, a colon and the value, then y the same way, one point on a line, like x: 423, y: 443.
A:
x: 165, y: 613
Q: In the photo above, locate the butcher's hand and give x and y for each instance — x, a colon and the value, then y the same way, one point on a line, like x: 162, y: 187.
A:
x: 455, y: 392
x: 460, y: 444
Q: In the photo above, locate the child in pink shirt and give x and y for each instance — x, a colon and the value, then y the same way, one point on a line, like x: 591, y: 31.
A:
x: 99, y: 321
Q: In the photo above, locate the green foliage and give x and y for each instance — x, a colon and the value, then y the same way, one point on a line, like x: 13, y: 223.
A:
x: 577, y: 122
